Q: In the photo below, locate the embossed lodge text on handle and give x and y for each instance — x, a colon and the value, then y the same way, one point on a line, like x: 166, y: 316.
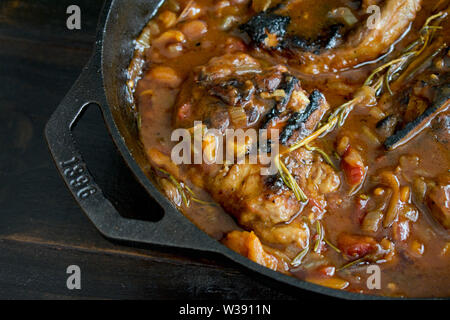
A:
x: 76, y: 173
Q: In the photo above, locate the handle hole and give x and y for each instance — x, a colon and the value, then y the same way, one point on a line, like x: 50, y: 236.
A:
x: 110, y: 170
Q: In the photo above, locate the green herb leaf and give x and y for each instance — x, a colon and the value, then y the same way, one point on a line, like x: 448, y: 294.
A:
x: 298, y: 259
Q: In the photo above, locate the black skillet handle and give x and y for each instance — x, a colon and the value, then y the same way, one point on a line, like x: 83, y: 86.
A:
x: 172, y: 230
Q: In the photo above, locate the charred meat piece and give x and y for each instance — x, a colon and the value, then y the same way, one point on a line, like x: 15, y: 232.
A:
x: 233, y: 91
x: 238, y: 84
x: 329, y: 39
x: 269, y: 31
x: 416, y: 126
x: 386, y: 126
x: 226, y: 81
x: 299, y: 120
x: 266, y: 30
x: 288, y: 85
x: 273, y: 114
x: 195, y: 103
x: 270, y: 79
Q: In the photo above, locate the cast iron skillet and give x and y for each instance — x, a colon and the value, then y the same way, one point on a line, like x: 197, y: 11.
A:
x: 103, y: 82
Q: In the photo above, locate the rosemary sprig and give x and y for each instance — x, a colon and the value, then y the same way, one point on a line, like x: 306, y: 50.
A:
x: 181, y: 187
x: 289, y: 180
x: 352, y: 263
x: 298, y: 259
x: 331, y: 245
x: 177, y: 185
x: 194, y: 199
x: 323, y: 154
x: 364, y: 196
x: 415, y: 49
x: 321, y: 232
x: 320, y: 235
x: 384, y: 75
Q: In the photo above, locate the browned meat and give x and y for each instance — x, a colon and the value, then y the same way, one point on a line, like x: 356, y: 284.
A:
x: 224, y: 82
x: 328, y: 53
x: 237, y: 84
x: 366, y: 44
x: 438, y: 200
x: 268, y: 96
x: 243, y: 192
x: 265, y: 205
x: 260, y: 203
x: 303, y: 122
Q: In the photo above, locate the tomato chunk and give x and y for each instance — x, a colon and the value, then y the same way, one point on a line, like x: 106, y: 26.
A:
x: 326, y: 271
x: 248, y: 244
x: 356, y: 246
x: 360, y: 210
x: 184, y: 111
x: 353, y: 167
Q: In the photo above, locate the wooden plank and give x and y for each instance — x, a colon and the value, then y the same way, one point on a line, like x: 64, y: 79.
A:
x: 29, y: 270
x: 45, y: 21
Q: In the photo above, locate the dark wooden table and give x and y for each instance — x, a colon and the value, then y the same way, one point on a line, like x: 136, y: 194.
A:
x: 42, y: 230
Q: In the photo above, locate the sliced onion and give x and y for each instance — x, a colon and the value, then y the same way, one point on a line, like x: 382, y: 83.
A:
x: 392, y: 212
x: 410, y: 212
x: 334, y: 283
x: 261, y: 5
x: 372, y: 221
x: 345, y: 15
x: 369, y: 134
